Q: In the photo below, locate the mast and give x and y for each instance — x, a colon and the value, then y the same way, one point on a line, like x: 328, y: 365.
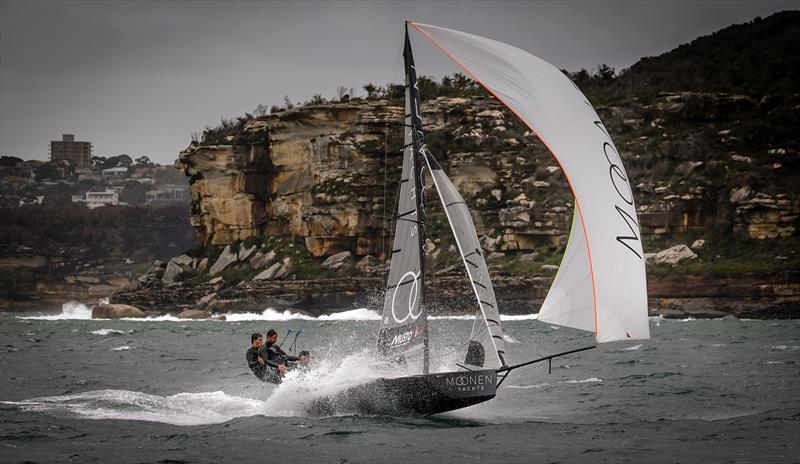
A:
x: 403, y: 336
x: 413, y: 99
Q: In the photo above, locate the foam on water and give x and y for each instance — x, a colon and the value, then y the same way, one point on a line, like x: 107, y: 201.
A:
x: 269, y: 314
x: 70, y: 310
x: 300, y: 389
x: 589, y: 380
x: 526, y: 387
x: 122, y: 348
x: 74, y: 310
x: 519, y: 317
x: 293, y: 397
x: 106, y: 332
x: 181, y: 409
x: 503, y: 317
x: 166, y: 318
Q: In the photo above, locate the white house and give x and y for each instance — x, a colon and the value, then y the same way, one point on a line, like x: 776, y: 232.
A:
x: 97, y: 199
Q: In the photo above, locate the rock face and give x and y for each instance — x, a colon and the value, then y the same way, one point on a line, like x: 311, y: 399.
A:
x: 116, y: 311
x: 225, y: 259
x: 260, y: 260
x: 194, y: 314
x: 310, y: 173
x: 276, y: 271
x: 175, y: 266
x: 672, y: 255
x: 342, y: 261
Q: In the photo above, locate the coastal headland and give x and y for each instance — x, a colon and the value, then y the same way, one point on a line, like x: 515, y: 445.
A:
x: 292, y: 208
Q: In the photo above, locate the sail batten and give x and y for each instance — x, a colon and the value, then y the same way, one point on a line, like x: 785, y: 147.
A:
x: 404, y: 328
x: 485, y: 334
x: 609, y: 245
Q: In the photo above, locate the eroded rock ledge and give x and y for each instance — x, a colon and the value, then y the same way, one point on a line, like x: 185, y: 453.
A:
x: 316, y: 173
x: 758, y: 296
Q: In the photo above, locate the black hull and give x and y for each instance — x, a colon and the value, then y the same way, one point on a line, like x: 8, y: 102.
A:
x: 413, y: 396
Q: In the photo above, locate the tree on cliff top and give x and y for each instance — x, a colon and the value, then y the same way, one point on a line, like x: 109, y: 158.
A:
x: 755, y: 58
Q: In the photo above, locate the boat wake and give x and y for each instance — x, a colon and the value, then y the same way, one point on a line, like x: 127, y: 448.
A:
x: 181, y: 409
x: 296, y: 396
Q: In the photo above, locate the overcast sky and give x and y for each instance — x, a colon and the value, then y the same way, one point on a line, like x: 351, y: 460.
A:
x: 139, y: 77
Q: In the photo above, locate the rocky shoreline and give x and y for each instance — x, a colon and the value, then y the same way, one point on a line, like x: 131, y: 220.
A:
x: 751, y: 296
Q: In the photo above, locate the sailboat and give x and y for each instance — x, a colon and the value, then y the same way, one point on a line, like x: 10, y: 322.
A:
x: 600, y: 286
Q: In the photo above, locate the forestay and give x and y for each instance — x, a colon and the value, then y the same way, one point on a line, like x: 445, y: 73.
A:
x: 486, y: 347
x: 605, y: 235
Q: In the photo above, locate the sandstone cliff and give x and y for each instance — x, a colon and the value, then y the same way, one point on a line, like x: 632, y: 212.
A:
x: 297, y: 205
x: 318, y: 174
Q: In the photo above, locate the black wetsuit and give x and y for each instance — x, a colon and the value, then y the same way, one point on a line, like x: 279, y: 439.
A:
x: 274, y: 355
x: 260, y: 370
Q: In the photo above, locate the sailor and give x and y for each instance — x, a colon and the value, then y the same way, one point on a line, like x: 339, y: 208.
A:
x: 274, y: 356
x: 255, y: 361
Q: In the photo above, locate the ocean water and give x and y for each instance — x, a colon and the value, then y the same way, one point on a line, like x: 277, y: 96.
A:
x: 164, y: 390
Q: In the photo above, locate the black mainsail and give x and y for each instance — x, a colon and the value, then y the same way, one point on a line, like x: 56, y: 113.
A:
x: 404, y: 324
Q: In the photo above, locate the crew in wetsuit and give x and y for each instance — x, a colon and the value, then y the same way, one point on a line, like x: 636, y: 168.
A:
x: 274, y: 356
x: 254, y: 360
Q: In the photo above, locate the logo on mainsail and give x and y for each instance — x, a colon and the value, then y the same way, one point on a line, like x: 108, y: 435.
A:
x: 412, y: 297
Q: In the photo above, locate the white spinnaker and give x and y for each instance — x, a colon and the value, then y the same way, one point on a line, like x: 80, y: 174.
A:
x: 553, y: 107
x: 570, y: 301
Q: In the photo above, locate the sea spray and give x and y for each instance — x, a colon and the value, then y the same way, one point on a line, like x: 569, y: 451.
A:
x: 71, y: 310
x: 270, y: 314
x: 326, y: 378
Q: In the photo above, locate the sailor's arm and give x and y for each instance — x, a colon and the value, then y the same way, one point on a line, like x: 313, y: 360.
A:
x: 280, y: 367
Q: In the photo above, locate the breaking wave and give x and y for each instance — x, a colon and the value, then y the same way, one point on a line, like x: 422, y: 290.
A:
x: 269, y: 314
x: 74, y: 310
x: 69, y: 311
x: 106, y: 332
x: 360, y: 314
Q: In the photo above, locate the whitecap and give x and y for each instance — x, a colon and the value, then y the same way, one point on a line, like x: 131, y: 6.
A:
x: 106, y: 331
x: 591, y: 379
x: 632, y: 348
x: 519, y: 317
x: 269, y: 314
x: 503, y: 317
x: 526, y: 387
x: 121, y: 348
